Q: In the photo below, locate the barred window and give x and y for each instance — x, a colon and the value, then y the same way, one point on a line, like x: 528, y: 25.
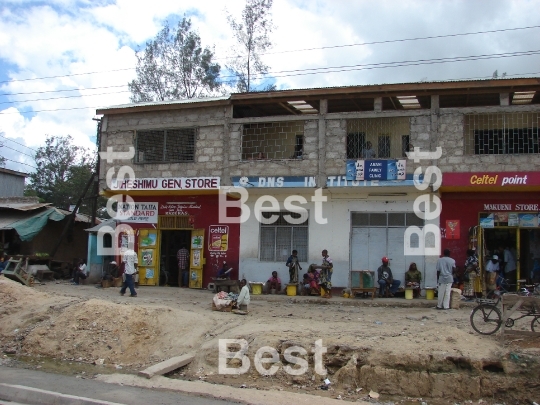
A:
x: 273, y: 140
x: 170, y: 145
x: 356, y: 142
x: 506, y: 133
x: 279, y: 238
x: 388, y: 137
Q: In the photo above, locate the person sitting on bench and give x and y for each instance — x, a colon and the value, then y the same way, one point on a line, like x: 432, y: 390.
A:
x: 413, y: 277
x: 273, y: 283
x: 384, y: 273
x: 225, y: 272
x: 80, y: 273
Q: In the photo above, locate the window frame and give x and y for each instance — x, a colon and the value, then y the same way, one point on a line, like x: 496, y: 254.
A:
x: 281, y: 223
x: 192, y: 138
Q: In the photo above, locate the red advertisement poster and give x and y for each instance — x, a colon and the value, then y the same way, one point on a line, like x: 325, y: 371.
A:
x: 452, y: 229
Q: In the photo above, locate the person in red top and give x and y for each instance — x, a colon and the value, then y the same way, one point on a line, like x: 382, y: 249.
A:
x: 273, y: 283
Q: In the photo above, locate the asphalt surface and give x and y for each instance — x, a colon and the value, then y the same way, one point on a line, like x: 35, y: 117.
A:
x: 98, y: 390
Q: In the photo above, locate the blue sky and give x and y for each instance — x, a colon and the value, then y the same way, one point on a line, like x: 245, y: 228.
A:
x: 90, y: 47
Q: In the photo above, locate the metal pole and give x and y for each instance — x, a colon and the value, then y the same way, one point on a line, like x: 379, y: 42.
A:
x: 71, y: 217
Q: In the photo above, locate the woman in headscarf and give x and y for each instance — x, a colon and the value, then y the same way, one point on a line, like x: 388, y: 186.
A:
x: 413, y: 277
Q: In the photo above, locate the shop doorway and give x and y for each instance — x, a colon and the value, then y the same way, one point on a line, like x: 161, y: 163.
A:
x: 499, y: 239
x: 171, y: 242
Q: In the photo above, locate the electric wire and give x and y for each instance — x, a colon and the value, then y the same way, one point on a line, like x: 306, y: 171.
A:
x: 21, y: 163
x: 59, y: 91
x: 62, y: 98
x: 343, y: 68
x: 298, y: 50
x: 403, y: 40
x: 18, y: 143
x: 18, y: 151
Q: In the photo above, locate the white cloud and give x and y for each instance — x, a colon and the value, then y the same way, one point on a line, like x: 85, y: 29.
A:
x: 67, y: 37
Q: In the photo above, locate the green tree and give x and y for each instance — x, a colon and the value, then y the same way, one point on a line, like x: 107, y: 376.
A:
x: 63, y: 169
x: 175, y: 66
x: 2, y: 159
x: 252, y: 34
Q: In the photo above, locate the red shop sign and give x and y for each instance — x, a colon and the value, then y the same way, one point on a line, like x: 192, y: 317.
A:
x: 482, y: 179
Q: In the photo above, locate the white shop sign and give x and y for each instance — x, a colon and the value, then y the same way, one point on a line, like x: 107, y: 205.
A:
x: 140, y: 212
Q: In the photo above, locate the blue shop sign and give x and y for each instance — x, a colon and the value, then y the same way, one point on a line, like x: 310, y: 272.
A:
x: 343, y: 181
x: 381, y: 169
x: 274, y: 181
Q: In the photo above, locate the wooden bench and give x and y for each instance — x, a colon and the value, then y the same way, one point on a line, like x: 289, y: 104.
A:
x: 369, y: 290
x: 362, y: 281
x: 45, y: 275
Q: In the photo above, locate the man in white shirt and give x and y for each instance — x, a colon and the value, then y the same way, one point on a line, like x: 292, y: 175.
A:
x: 445, y: 268
x: 243, y: 298
x: 492, y: 271
x: 80, y: 273
x: 131, y: 262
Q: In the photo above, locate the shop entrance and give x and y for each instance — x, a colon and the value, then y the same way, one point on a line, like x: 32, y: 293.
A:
x: 523, y: 242
x: 171, y: 242
x: 496, y: 241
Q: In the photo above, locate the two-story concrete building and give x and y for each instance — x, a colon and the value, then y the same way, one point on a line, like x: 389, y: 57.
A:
x: 343, y: 169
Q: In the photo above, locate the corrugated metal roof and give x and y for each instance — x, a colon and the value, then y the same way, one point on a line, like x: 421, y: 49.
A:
x: 387, y: 84
x: 167, y: 102
x: 23, y: 206
x: 7, y: 218
x: 78, y: 217
x: 15, y: 173
x: 108, y: 222
x: 287, y: 92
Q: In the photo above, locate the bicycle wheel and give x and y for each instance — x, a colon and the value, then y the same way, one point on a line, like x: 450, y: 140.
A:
x: 535, y: 324
x: 486, y: 319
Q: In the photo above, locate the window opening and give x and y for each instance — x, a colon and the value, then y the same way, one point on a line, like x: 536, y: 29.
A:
x: 386, y: 137
x: 170, y: 145
x: 278, y: 239
x: 272, y: 140
x: 496, y: 134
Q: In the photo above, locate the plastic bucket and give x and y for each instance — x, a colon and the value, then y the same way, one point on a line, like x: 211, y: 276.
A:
x: 323, y: 291
x: 291, y: 289
x: 408, y: 294
x: 257, y: 289
x: 430, y: 294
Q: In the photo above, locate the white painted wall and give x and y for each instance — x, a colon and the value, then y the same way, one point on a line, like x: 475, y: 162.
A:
x: 333, y: 236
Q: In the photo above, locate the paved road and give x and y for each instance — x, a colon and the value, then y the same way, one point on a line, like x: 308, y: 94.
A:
x: 98, y: 390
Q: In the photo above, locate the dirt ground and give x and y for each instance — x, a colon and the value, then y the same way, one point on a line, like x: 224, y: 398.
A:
x: 403, y: 350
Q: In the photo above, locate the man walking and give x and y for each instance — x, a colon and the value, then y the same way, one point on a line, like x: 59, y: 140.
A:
x: 183, y: 259
x: 445, y: 268
x: 131, y: 262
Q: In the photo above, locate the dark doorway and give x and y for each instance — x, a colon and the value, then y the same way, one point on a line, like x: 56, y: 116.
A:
x: 171, y: 242
x: 497, y: 240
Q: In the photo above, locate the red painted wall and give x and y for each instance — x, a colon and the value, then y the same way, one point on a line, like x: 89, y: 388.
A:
x: 466, y: 206
x: 205, y: 214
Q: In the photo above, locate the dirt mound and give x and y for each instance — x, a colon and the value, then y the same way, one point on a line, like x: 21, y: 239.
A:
x: 397, y: 352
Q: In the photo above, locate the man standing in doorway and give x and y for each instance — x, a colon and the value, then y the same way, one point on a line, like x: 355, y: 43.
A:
x: 183, y: 260
x: 445, y: 268
x: 131, y: 262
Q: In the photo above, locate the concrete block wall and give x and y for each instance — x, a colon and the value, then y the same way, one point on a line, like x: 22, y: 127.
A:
x: 215, y: 157
x: 454, y: 159
x: 289, y: 167
x: 121, y: 130
x: 336, y: 147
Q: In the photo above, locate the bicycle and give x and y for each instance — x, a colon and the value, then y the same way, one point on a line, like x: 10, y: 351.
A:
x: 486, y: 317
